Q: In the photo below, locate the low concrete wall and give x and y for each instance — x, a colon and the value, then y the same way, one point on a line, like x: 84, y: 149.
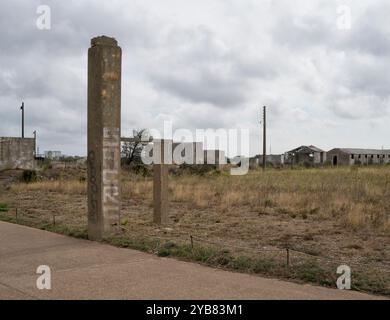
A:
x: 275, y: 159
x: 216, y: 157
x: 343, y: 159
x: 17, y: 153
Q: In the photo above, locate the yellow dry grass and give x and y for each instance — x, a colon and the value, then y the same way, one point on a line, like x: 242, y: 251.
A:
x: 357, y: 198
x: 67, y: 187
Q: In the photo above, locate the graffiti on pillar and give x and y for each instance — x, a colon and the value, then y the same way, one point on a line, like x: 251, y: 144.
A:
x: 111, y: 163
x: 93, y: 187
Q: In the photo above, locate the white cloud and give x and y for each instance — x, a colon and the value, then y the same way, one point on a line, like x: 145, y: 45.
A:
x: 203, y: 64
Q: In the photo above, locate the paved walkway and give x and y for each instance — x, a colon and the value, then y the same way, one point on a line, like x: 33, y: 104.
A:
x: 88, y: 270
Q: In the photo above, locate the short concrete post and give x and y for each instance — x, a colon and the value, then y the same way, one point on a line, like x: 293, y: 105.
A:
x: 161, y: 149
x: 104, y: 121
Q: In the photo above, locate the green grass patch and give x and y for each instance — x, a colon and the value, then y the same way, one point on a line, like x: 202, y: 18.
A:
x: 308, y: 270
x: 312, y: 271
x: 70, y: 231
x: 372, y: 282
x: 4, y: 207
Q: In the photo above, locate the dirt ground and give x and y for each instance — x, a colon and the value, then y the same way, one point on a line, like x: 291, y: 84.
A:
x: 325, y: 224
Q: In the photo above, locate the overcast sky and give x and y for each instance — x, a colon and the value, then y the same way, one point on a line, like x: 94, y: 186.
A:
x: 204, y: 64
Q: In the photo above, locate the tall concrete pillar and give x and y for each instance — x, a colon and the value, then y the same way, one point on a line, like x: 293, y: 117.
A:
x: 162, y: 151
x: 104, y: 127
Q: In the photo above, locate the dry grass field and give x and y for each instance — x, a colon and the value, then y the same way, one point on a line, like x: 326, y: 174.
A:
x: 327, y: 217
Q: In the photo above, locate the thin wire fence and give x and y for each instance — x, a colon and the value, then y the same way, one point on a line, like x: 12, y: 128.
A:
x: 288, y: 250
x: 293, y: 258
x: 286, y: 255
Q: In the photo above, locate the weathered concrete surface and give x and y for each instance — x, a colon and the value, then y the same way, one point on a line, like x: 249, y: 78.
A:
x: 104, y: 121
x: 88, y: 270
x: 17, y: 153
x: 162, y: 153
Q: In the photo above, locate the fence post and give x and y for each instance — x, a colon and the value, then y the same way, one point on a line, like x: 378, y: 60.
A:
x: 54, y: 220
x: 288, y: 257
x: 16, y: 214
x: 160, y: 182
x: 192, y: 242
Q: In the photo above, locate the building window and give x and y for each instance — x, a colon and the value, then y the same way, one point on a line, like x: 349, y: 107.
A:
x: 352, y: 156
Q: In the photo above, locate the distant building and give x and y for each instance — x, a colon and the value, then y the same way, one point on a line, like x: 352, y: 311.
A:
x: 216, y: 157
x: 194, y: 149
x: 198, y: 155
x: 271, y: 159
x: 53, y: 155
x: 192, y: 153
x: 306, y: 155
x: 345, y: 156
x: 17, y: 153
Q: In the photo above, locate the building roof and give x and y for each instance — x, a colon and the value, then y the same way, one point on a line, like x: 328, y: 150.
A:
x: 5, y: 139
x: 306, y: 149
x: 258, y: 156
x: 362, y: 151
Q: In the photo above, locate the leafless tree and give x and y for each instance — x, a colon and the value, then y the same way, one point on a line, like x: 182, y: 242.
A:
x: 131, y: 151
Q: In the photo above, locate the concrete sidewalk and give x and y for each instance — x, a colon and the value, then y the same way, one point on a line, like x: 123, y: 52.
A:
x: 87, y: 270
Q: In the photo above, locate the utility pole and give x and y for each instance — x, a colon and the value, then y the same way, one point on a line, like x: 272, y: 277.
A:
x: 35, y: 143
x: 264, y: 137
x: 22, y: 108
